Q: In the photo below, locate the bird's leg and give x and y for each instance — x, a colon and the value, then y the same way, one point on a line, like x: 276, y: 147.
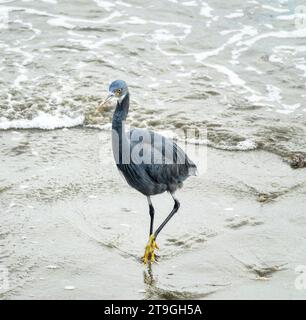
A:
x: 151, y: 212
x: 149, y: 255
x: 172, y: 213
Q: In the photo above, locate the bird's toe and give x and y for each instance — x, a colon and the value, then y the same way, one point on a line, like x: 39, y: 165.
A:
x: 149, y: 255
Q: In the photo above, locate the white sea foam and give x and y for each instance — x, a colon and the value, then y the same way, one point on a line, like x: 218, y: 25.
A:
x: 299, y: 33
x: 154, y: 85
x: 281, y: 10
x: 274, y: 93
x: 104, y: 127
x: 107, y: 5
x: 134, y: 20
x: 251, y: 68
x: 269, y: 26
x: 50, y: 1
x: 232, y: 76
x: 288, y: 108
x: 245, y: 145
x: 65, y: 18
x: 301, y: 67
x: 42, y: 121
x: 292, y: 49
x: 93, y: 44
x: 236, y: 38
x: 163, y: 35
x: 21, y: 78
x: 176, y: 62
x: 234, y: 15
x: 60, y: 22
x: 206, y: 10
x: 121, y: 3
x: 275, y: 58
x: 245, y: 31
x: 189, y: 3
x: 286, y: 17
x: 203, y: 55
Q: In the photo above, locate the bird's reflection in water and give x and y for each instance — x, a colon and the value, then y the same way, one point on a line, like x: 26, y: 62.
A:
x: 150, y: 283
x: 155, y: 291
x: 148, y: 278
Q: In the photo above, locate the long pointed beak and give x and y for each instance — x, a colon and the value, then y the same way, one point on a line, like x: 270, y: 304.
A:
x: 109, y: 97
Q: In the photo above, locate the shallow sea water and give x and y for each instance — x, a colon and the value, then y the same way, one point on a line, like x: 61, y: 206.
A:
x: 234, y: 68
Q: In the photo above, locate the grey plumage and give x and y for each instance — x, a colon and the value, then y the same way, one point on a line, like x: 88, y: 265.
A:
x: 155, y: 178
x: 149, y: 177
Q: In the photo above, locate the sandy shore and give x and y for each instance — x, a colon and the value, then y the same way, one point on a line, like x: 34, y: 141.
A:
x: 70, y: 228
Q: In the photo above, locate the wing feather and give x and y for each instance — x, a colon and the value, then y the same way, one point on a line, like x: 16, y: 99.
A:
x: 173, y: 165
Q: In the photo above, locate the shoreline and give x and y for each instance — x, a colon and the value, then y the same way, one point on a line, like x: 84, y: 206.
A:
x: 294, y: 159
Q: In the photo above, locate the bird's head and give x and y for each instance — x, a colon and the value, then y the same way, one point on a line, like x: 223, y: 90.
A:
x: 118, y: 90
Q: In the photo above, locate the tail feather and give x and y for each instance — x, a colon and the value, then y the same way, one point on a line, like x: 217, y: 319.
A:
x: 193, y: 171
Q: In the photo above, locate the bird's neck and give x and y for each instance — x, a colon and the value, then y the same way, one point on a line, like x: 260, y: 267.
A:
x: 119, y: 139
x: 120, y: 114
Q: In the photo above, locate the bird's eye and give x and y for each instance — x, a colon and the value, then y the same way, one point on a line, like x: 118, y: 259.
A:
x: 118, y: 92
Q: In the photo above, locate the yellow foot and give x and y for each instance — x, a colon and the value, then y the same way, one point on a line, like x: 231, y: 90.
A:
x: 149, y: 255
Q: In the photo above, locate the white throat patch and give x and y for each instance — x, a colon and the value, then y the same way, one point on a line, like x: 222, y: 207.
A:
x: 121, y: 98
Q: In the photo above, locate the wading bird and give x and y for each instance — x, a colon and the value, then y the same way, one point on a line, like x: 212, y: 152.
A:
x: 149, y: 162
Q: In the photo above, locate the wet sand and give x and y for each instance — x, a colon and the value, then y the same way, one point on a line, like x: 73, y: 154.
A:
x: 70, y: 227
